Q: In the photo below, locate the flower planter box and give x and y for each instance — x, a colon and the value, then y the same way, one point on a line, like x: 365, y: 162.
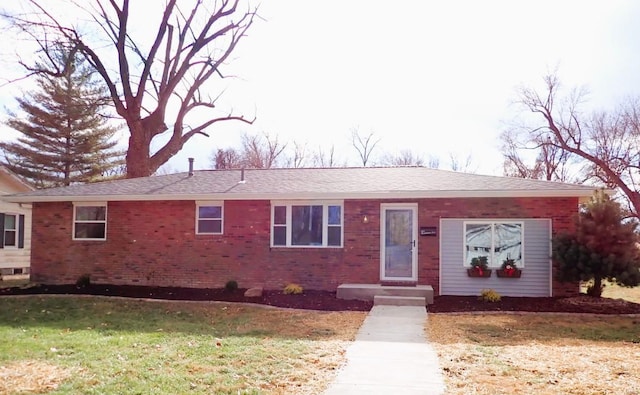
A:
x: 514, y: 273
x: 476, y: 273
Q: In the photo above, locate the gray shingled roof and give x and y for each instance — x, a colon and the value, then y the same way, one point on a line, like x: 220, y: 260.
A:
x: 308, y: 183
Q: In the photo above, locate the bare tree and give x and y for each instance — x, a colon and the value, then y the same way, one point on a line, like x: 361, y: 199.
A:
x: 261, y: 151
x: 405, y: 157
x: 299, y: 156
x: 228, y: 158
x: 326, y: 158
x: 364, y: 145
x: 170, y: 71
x: 434, y: 162
x: 607, y: 143
x: 465, y: 165
x: 514, y: 164
x: 551, y: 162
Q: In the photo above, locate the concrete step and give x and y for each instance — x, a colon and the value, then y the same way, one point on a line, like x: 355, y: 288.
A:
x: 368, y: 291
x: 399, y: 300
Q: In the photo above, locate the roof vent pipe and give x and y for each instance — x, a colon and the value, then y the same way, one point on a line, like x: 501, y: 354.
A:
x: 190, y: 167
x: 242, y: 180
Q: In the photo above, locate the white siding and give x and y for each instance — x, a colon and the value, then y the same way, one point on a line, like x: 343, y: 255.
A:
x: 14, y: 257
x: 535, y: 280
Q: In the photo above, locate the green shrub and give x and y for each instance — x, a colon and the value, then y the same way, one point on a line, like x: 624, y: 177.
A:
x: 489, y: 295
x: 231, y: 285
x: 292, y: 289
x: 83, y: 281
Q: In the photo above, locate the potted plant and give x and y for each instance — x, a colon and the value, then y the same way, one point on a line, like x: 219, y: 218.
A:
x: 509, y: 269
x: 479, y: 267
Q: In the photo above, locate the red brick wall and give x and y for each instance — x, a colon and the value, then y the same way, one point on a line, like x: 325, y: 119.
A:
x: 154, y: 243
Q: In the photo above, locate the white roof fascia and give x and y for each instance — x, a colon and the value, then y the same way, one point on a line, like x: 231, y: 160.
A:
x: 308, y: 195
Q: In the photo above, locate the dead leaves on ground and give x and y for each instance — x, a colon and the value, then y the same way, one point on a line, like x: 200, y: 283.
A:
x: 33, y: 377
x: 475, y: 362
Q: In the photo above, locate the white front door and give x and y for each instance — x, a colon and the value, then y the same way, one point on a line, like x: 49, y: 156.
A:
x: 399, y: 246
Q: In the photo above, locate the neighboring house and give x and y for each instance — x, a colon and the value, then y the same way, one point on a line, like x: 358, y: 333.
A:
x: 15, y: 226
x: 317, y: 227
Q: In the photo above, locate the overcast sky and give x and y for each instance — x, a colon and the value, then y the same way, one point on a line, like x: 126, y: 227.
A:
x: 437, y: 78
x: 434, y: 77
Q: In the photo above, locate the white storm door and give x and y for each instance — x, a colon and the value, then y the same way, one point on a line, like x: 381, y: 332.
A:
x: 399, y: 246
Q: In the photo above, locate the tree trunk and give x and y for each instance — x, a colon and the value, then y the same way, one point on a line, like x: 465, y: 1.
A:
x: 596, y: 289
x: 140, y: 163
x: 634, y: 197
x: 138, y: 158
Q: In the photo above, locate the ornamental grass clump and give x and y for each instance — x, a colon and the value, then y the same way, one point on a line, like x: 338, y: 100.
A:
x: 489, y: 295
x: 292, y: 289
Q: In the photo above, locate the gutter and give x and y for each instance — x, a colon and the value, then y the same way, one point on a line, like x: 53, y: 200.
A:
x: 577, y: 193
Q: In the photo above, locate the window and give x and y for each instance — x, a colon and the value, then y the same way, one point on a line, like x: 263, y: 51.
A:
x: 209, y: 218
x: 495, y: 240
x: 90, y: 221
x: 306, y: 225
x: 10, y: 230
x: 279, y: 226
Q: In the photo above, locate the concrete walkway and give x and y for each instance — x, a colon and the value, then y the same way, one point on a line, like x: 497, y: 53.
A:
x: 390, y: 356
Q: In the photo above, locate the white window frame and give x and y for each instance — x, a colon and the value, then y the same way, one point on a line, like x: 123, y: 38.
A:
x: 325, y: 222
x: 210, y: 203
x: 75, y: 221
x: 16, y: 230
x: 492, y: 253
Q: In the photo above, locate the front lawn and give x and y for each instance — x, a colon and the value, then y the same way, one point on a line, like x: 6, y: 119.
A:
x: 98, y: 345
x: 537, y: 353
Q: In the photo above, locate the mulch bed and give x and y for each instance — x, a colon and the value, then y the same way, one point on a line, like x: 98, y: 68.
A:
x: 325, y: 300
x: 577, y: 304
x: 309, y: 299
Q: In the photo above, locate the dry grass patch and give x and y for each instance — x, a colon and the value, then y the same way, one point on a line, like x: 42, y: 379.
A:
x: 614, y: 291
x: 33, y: 377
x: 537, y: 353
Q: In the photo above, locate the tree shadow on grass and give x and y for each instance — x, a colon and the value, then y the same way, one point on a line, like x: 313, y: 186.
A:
x: 121, y: 315
x: 525, y: 329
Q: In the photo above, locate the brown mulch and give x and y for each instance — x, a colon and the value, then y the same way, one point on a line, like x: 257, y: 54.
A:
x: 308, y: 300
x: 326, y: 300
x: 577, y: 304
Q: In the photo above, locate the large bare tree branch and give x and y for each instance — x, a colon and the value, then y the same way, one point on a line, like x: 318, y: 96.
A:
x: 606, y: 142
x: 181, y: 58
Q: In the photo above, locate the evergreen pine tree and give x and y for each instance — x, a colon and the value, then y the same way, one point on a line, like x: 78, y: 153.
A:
x: 65, y: 136
x: 604, y: 247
